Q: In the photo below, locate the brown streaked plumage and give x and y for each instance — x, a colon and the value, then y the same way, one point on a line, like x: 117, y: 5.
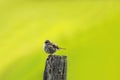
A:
x: 50, y: 48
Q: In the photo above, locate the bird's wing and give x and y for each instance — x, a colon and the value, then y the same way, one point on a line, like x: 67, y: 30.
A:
x: 55, y: 46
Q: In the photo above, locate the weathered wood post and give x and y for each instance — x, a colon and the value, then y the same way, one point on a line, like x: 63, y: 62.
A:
x: 55, y: 68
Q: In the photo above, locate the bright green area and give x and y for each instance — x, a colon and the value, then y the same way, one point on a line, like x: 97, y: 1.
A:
x: 90, y: 30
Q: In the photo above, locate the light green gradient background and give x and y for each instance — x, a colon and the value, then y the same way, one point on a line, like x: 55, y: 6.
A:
x: 90, y: 30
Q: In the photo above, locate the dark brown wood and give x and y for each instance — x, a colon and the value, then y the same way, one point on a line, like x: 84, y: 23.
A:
x: 55, y: 68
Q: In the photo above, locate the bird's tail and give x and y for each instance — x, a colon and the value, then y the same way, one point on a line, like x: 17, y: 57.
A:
x: 63, y: 48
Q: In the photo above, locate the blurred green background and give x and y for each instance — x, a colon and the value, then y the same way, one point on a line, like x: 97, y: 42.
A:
x: 90, y: 30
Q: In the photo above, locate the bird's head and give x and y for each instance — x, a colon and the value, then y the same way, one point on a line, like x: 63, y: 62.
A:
x: 47, y: 41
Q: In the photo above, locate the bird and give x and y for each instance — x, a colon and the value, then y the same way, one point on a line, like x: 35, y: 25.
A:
x: 50, y: 47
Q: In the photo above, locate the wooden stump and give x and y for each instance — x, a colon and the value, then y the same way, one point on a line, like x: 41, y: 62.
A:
x: 56, y: 68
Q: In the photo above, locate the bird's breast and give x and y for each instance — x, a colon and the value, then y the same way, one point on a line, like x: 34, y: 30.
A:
x: 49, y: 49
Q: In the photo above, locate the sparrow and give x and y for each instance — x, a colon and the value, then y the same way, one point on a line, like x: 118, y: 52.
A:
x: 51, y: 48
